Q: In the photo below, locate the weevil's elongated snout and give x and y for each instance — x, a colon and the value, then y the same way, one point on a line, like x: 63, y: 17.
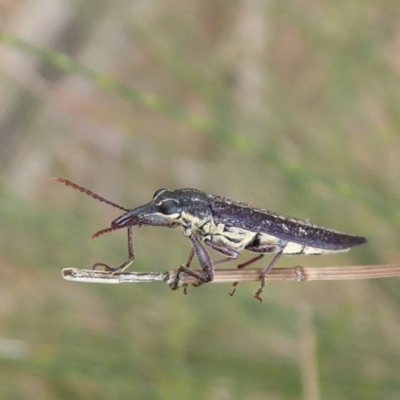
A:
x: 144, y: 215
x: 137, y: 216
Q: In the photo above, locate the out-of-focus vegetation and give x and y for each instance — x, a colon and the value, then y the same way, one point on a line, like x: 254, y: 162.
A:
x: 290, y: 106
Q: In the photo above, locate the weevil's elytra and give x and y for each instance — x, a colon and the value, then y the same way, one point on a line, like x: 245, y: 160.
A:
x: 228, y: 227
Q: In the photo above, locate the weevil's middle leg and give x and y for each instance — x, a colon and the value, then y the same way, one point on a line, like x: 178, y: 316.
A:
x: 206, y: 265
x: 187, y: 265
x: 127, y: 263
x: 230, y: 254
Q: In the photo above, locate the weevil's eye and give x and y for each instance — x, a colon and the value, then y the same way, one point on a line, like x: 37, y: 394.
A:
x: 169, y: 207
x: 158, y: 192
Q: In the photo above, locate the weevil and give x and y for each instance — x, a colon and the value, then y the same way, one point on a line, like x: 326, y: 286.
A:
x: 226, y: 226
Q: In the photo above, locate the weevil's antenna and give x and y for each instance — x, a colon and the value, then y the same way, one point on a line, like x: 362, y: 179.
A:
x: 66, y: 182
x: 103, y: 231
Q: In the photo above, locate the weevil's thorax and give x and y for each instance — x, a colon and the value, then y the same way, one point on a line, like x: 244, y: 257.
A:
x: 195, y: 210
x: 187, y: 208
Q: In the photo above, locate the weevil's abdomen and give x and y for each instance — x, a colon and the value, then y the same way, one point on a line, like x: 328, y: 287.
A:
x: 265, y: 243
x: 292, y: 248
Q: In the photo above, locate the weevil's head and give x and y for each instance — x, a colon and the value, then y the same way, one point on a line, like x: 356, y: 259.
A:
x: 171, y: 209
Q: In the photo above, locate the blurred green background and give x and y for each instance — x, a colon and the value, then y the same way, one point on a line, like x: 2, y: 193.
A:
x: 290, y: 106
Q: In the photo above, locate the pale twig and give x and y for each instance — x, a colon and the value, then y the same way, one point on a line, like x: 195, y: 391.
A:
x: 298, y: 274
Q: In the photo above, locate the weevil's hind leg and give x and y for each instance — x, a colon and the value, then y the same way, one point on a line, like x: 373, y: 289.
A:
x: 243, y: 265
x: 265, y: 272
x: 127, y: 263
x: 256, y: 247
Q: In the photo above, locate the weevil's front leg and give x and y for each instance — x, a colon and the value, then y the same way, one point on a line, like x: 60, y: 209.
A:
x: 205, y: 262
x: 127, y: 263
